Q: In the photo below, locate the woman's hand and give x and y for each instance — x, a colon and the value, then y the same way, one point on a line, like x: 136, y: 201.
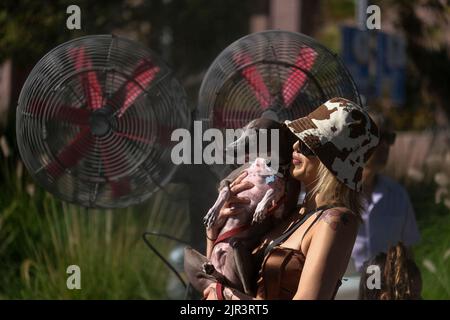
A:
x: 210, y: 292
x: 228, y: 294
x: 233, y: 206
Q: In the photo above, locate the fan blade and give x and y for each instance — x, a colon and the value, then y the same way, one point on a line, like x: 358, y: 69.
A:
x: 161, y: 141
x: 72, y: 115
x: 72, y: 154
x: 254, y: 78
x: 79, y: 116
x: 89, y: 80
x: 162, y: 136
x: 304, y: 62
x: 142, y: 76
x: 121, y: 186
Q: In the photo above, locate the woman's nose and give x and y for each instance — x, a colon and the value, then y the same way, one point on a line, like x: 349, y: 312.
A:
x: 296, y: 146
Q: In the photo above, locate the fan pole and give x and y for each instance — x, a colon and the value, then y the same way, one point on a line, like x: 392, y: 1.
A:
x: 360, y: 13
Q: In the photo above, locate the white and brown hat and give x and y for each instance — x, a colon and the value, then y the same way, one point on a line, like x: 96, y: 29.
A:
x: 342, y: 135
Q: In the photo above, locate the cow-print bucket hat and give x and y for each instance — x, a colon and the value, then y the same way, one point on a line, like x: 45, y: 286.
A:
x: 342, y: 135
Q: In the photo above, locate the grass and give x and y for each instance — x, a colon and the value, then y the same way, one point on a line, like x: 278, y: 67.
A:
x: 41, y: 236
x: 432, y: 254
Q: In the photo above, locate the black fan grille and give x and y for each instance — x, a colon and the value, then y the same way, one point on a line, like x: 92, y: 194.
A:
x: 278, y: 74
x: 94, y: 121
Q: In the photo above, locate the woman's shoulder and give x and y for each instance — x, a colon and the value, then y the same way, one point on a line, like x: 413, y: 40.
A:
x: 338, y: 216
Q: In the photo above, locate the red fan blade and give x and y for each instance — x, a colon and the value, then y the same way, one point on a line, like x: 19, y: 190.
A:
x: 72, y: 115
x: 142, y: 76
x: 72, y: 154
x: 77, y: 116
x: 162, y: 135
x: 91, y: 85
x: 121, y: 186
x: 254, y: 78
x: 161, y: 141
x: 291, y: 88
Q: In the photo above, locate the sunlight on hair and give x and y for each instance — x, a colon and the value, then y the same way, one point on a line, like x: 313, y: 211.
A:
x: 334, y: 192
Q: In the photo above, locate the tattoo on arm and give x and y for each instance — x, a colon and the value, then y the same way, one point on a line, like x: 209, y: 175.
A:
x: 334, y: 218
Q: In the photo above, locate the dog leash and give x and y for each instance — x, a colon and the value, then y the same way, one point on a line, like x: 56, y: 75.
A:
x: 231, y: 233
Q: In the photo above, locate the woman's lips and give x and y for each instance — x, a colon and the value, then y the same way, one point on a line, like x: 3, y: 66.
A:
x: 296, y: 159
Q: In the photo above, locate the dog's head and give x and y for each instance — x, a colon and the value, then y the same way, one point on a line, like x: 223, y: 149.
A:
x: 251, y: 131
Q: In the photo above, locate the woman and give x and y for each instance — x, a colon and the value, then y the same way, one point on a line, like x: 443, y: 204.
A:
x: 305, y: 256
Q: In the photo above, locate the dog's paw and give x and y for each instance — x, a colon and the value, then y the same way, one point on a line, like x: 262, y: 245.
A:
x: 259, y: 215
x: 209, y: 219
x: 208, y: 268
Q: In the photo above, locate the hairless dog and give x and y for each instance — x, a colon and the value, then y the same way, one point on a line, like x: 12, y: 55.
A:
x: 230, y: 262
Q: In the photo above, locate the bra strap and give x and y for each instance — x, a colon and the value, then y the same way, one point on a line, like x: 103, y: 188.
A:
x: 294, y: 227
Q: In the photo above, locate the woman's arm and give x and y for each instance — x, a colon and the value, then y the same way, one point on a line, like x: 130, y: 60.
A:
x: 328, y: 254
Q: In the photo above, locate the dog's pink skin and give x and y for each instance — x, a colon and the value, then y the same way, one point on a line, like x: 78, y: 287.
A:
x: 257, y: 174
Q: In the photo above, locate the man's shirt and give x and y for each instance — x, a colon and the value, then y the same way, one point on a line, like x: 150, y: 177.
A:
x: 388, y: 218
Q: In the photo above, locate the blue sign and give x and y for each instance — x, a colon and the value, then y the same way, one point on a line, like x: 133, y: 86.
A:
x: 390, y: 68
x: 376, y: 61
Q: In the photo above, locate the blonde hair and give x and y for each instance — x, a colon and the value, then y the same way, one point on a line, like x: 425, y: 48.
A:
x: 333, y: 192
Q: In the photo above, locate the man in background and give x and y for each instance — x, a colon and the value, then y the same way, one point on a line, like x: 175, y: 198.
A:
x: 388, y: 216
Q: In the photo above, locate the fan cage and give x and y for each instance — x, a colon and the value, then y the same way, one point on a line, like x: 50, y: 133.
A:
x: 296, y: 71
x: 94, y: 121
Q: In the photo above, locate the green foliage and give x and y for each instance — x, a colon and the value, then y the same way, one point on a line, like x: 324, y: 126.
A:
x: 434, y: 224
x: 41, y: 236
x: 336, y: 10
x: 31, y: 28
x: 435, y: 250
x: 330, y: 37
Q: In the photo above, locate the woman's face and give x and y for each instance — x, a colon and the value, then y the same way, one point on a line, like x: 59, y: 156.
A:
x: 303, y: 168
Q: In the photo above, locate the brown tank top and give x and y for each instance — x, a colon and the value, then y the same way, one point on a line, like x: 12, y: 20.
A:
x: 282, y: 267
